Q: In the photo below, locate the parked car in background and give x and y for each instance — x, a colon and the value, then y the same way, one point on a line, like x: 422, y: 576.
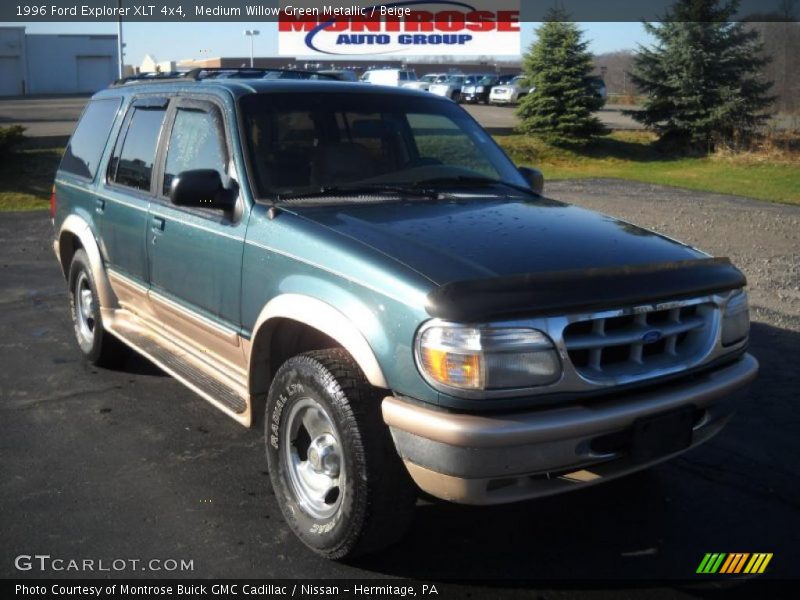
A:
x: 450, y: 88
x: 224, y: 73
x: 507, y: 78
x: 424, y: 83
x: 512, y: 92
x: 390, y: 77
x: 599, y: 87
x: 479, y: 89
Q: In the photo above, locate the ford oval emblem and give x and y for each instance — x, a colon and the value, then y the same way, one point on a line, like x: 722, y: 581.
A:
x: 651, y: 336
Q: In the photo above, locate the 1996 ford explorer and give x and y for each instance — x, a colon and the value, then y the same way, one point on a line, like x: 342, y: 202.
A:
x: 364, y: 273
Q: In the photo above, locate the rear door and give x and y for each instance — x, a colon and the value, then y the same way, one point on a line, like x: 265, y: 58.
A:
x: 195, y: 255
x: 126, y: 194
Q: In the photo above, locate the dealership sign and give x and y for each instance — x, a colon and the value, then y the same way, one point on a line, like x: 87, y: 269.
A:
x: 406, y: 27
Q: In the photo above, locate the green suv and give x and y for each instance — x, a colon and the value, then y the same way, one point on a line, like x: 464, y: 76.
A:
x: 362, y: 272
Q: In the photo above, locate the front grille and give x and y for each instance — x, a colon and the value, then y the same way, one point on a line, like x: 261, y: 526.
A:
x: 641, y: 343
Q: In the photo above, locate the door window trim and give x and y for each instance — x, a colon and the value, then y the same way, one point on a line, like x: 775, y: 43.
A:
x: 204, y: 103
x: 140, y: 103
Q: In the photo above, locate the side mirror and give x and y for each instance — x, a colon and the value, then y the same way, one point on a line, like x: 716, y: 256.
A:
x: 533, y: 177
x: 202, y: 188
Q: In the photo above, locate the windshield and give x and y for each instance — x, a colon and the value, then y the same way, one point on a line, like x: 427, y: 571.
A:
x: 304, y: 143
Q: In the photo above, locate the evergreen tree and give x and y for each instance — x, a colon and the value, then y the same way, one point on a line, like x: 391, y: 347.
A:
x: 559, y: 107
x: 701, y: 76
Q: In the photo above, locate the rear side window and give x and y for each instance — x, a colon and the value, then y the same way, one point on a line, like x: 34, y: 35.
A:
x: 85, y: 148
x: 132, y: 162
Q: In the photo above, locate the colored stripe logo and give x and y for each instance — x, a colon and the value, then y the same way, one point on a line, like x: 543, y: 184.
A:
x: 734, y: 563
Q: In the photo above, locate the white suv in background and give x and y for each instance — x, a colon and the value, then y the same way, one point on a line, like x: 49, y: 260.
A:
x: 512, y: 92
x: 450, y: 88
x: 390, y: 77
x: 426, y: 81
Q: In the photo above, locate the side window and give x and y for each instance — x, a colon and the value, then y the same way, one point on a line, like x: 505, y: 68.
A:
x: 132, y: 162
x: 197, y: 141
x: 82, y: 156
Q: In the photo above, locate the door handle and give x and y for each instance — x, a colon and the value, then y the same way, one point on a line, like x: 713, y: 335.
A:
x: 158, y: 224
x: 100, y: 205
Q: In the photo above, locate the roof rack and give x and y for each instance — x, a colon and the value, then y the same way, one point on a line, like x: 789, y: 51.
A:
x: 202, y: 73
x: 146, y: 77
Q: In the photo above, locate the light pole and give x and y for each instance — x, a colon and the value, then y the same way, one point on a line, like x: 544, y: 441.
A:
x: 251, y: 33
x: 120, y: 45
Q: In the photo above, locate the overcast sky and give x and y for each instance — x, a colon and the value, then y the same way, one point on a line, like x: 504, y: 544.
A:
x: 176, y: 41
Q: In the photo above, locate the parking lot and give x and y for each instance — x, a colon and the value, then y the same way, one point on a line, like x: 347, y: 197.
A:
x: 128, y: 463
x: 104, y: 464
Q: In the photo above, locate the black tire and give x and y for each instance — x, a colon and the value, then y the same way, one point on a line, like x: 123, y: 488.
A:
x: 374, y: 500
x: 97, y: 345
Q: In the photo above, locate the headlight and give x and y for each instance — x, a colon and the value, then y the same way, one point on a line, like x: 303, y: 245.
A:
x: 480, y: 88
x: 735, y: 318
x: 472, y: 358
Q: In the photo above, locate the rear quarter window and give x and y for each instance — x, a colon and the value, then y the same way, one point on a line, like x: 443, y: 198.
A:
x: 85, y: 148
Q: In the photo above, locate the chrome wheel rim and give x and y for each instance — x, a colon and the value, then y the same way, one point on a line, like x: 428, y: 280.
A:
x: 312, y: 457
x: 85, y: 308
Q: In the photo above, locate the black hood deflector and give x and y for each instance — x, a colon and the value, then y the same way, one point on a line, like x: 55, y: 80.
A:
x: 581, y: 290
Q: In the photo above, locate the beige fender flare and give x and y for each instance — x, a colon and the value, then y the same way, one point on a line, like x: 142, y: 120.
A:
x: 330, y: 321
x: 78, y: 227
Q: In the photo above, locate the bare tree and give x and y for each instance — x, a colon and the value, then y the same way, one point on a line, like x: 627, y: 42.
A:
x: 614, y: 68
x: 782, y: 46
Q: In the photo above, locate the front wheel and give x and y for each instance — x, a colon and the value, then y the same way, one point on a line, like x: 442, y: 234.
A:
x: 336, y: 474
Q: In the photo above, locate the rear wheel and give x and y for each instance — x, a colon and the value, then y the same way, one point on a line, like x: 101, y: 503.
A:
x: 336, y: 474
x: 98, y: 346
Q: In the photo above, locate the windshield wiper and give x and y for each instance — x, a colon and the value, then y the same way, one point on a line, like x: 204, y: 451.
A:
x: 371, y: 189
x: 470, y: 180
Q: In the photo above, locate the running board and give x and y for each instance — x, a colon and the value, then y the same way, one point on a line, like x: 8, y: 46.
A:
x: 193, y: 372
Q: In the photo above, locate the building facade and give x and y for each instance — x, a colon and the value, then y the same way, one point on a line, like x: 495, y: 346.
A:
x: 55, y: 63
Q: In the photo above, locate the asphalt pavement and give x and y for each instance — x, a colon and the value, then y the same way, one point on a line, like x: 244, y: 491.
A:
x: 107, y: 464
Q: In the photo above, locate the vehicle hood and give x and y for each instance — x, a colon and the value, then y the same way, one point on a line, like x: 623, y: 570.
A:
x: 482, y: 238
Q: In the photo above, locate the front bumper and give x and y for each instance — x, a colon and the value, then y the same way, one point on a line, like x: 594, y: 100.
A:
x: 493, y: 459
x: 473, y: 97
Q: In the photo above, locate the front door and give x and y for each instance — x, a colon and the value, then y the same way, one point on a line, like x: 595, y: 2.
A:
x: 195, y: 255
